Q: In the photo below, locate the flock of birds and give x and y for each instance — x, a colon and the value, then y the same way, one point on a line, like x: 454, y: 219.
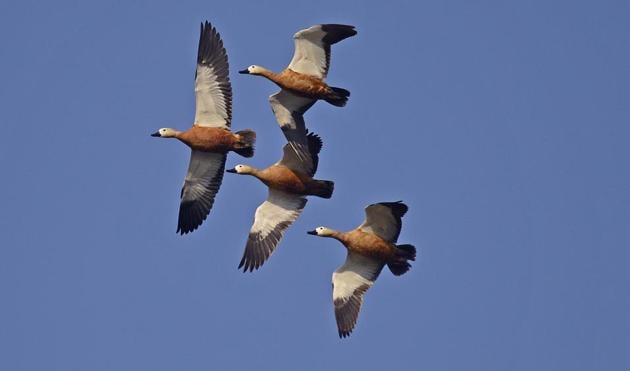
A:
x: 370, y: 246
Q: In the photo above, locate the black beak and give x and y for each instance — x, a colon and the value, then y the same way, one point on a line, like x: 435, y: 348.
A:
x: 244, y: 72
x: 156, y: 134
x: 233, y: 171
x: 313, y: 232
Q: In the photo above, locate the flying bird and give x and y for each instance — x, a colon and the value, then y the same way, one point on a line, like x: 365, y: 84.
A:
x: 302, y: 82
x: 371, y: 246
x: 210, y: 138
x: 289, y: 181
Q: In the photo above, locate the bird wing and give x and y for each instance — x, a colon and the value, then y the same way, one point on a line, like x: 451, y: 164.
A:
x: 384, y: 219
x: 296, y: 159
x: 350, y: 282
x: 289, y: 110
x: 202, y: 182
x: 312, y: 48
x: 213, y: 90
x: 272, y: 219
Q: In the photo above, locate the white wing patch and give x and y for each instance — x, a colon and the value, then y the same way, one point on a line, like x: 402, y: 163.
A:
x: 350, y: 282
x: 312, y: 48
x: 384, y: 220
x: 212, y: 106
x: 309, y: 57
x: 213, y: 89
x: 271, y: 220
x: 289, y: 110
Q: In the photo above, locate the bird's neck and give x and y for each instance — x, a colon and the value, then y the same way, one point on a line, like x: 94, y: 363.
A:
x: 182, y: 136
x: 253, y: 172
x: 270, y: 75
x: 339, y: 236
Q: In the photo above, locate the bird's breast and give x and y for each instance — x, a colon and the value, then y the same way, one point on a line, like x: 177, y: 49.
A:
x: 209, y: 139
x: 283, y: 179
x: 368, y: 244
x: 305, y: 85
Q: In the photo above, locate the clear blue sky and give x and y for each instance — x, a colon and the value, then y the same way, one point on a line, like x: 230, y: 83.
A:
x: 505, y: 127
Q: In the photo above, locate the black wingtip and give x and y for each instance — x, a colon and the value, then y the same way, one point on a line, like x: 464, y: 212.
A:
x: 398, y: 208
x: 247, y: 265
x: 337, y: 32
x: 183, y: 230
x: 185, y: 227
x: 344, y: 334
x: 210, y: 44
x: 192, y: 216
x: 315, y: 142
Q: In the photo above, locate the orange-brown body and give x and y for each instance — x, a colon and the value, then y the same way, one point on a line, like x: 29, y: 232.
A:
x: 210, y: 139
x: 284, y: 179
x: 368, y: 244
x: 301, y: 84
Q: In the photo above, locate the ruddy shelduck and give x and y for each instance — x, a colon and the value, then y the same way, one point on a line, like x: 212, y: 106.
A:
x: 302, y: 82
x: 371, y: 246
x: 289, y: 181
x: 210, y: 138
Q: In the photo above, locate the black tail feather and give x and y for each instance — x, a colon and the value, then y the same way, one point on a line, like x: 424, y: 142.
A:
x: 324, y: 188
x: 245, y: 145
x: 406, y: 251
x: 399, y: 268
x: 339, y: 97
x: 401, y: 265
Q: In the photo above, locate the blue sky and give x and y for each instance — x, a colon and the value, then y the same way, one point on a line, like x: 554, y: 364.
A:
x: 503, y: 125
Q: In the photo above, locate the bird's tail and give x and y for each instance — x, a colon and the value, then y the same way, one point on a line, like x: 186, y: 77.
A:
x: 245, y: 144
x: 400, y: 264
x: 338, y: 97
x: 323, y: 188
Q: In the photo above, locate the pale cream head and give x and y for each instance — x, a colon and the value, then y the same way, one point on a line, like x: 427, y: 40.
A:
x: 165, y: 133
x: 242, y: 169
x: 253, y: 70
x: 322, y: 232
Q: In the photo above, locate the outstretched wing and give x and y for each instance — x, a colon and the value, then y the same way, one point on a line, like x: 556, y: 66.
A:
x: 213, y: 90
x: 384, y: 219
x: 350, y: 282
x: 312, y: 48
x: 289, y: 110
x: 298, y: 160
x: 202, y: 182
x: 272, y: 219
